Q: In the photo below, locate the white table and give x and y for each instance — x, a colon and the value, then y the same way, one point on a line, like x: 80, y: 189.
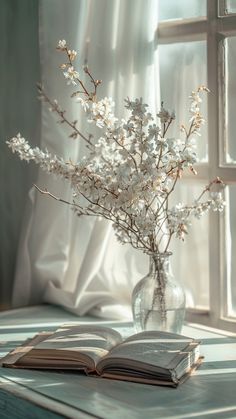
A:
x: 209, y: 393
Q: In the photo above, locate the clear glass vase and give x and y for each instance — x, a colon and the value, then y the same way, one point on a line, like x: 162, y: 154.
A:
x: 158, y: 301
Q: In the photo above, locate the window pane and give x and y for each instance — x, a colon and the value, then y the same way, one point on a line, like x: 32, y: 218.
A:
x: 183, y: 69
x: 230, y: 48
x: 181, y: 9
x: 231, y: 250
x: 191, y: 258
x: 231, y: 6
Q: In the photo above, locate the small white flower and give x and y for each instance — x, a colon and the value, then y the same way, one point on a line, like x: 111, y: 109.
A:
x: 84, y: 103
x: 62, y: 45
x: 137, y: 107
x: 102, y: 114
x: 153, y: 131
x: 165, y: 116
x: 217, y: 202
x: 71, y: 75
x: 72, y: 54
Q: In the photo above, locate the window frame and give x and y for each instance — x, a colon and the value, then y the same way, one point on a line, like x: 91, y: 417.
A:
x: 214, y: 28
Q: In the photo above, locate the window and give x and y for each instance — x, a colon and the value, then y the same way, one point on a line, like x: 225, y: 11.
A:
x: 197, y: 45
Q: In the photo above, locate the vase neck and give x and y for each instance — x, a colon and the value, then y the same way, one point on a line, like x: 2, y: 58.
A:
x: 159, y: 262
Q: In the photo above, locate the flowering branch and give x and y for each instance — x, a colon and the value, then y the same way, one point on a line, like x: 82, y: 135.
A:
x: 132, y: 169
x: 54, y: 107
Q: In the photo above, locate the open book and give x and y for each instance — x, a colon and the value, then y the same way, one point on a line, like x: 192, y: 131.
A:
x: 148, y: 357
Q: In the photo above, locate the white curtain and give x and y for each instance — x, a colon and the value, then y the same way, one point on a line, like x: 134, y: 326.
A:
x: 77, y: 263
x: 183, y: 69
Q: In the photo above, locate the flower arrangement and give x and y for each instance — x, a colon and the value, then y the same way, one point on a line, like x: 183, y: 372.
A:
x: 131, y: 171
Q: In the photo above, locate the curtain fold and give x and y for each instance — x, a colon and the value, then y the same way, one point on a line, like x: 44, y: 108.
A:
x: 63, y: 259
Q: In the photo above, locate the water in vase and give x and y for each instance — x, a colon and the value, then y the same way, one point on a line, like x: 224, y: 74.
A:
x: 172, y: 321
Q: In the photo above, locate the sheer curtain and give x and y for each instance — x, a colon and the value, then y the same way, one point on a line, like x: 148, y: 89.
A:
x: 77, y: 263
x: 183, y: 69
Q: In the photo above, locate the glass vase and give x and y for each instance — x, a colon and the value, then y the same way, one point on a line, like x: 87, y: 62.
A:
x: 158, y: 301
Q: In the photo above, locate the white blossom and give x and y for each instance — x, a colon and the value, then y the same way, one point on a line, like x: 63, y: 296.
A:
x: 84, y: 103
x: 165, y: 116
x: 71, y: 75
x: 72, y: 54
x: 62, y: 45
x: 217, y: 201
x: 101, y: 112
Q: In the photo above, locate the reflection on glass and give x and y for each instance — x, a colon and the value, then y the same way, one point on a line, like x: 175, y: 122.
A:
x: 183, y: 69
x: 230, y: 48
x: 231, y: 6
x: 181, y: 9
x: 231, y: 250
x: 190, y: 260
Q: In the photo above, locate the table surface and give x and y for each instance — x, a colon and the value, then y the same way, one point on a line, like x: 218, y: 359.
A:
x: 209, y: 393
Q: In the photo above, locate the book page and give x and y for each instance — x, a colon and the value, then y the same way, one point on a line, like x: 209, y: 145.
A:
x: 14, y: 356
x: 77, y: 343
x: 149, y: 352
x: 70, y: 347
